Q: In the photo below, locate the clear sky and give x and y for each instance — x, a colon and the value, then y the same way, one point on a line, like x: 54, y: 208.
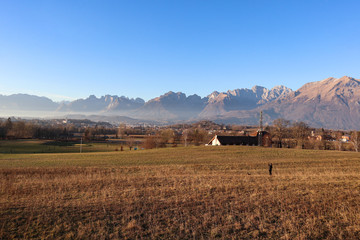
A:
x: 69, y: 49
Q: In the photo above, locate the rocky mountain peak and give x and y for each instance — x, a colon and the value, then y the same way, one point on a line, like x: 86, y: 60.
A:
x: 275, y: 93
x: 330, y: 103
x: 281, y: 88
x: 213, y: 95
x: 346, y: 78
x: 170, y: 96
x: 258, y: 89
x: 348, y: 82
x: 92, y: 97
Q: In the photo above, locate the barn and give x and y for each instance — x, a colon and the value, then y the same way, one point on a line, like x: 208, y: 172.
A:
x: 252, y: 140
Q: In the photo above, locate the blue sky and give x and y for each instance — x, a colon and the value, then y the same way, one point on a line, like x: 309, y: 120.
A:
x: 71, y: 49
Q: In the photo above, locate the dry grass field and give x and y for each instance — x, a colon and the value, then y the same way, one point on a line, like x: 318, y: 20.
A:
x: 181, y: 193
x: 48, y: 146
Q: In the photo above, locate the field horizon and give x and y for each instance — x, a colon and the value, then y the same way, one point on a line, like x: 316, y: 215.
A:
x: 201, y: 192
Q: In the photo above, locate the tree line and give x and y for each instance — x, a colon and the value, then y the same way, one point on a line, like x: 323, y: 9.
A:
x: 21, y: 129
x: 284, y: 133
x: 300, y: 135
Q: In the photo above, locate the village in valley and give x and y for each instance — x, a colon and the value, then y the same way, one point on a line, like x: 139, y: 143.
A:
x: 281, y: 134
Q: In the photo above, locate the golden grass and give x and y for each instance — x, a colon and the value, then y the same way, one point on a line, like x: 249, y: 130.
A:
x: 181, y: 193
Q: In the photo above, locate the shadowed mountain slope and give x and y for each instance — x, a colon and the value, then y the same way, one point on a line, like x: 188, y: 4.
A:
x: 26, y: 102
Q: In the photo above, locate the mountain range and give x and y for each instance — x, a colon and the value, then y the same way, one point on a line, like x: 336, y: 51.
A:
x: 330, y: 103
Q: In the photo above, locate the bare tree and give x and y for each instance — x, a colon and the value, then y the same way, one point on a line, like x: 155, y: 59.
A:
x: 121, y: 131
x: 167, y: 136
x: 185, y: 136
x: 88, y: 134
x: 21, y: 129
x: 2, y: 130
x: 355, y: 140
x: 338, y: 143
x: 130, y: 142
x: 300, y: 132
x: 281, y: 129
x: 150, y: 142
x: 198, y: 136
x: 8, y: 127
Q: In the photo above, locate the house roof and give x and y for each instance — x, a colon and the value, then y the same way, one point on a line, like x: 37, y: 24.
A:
x: 235, y: 140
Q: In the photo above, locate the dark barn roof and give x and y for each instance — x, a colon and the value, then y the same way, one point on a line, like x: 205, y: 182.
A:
x: 238, y: 140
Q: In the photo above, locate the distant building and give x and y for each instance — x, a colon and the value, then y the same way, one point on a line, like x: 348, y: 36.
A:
x: 324, y: 137
x: 345, y: 138
x: 251, y: 140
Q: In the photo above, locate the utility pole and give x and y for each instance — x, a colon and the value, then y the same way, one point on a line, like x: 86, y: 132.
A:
x: 260, y: 129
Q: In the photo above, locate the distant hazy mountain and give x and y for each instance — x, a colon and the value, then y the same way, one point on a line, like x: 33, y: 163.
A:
x: 330, y: 103
x: 113, y: 119
x: 125, y: 104
x: 25, y: 102
x: 177, y: 106
x: 220, y: 104
x: 171, y: 106
x: 104, y: 104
